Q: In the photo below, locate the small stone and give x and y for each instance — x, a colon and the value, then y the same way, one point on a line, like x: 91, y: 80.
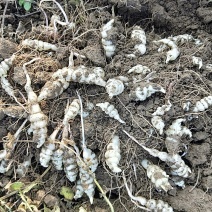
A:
x: 207, y: 172
x: 201, y: 135
x: 207, y: 182
x: 40, y: 195
x: 50, y: 200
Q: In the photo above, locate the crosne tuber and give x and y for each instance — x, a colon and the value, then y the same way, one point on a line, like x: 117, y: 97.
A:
x: 173, y: 135
x: 60, y: 80
x: 145, y: 90
x: 109, y: 38
x: 39, y: 45
x: 112, y: 154
x: 171, y: 54
x: 158, y: 177
x: 110, y: 110
x: 138, y: 35
x: 115, y: 86
x: 203, y: 104
x: 152, y: 205
x: 37, y: 118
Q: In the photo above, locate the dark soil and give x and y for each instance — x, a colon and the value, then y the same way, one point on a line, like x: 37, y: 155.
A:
x: 184, y: 81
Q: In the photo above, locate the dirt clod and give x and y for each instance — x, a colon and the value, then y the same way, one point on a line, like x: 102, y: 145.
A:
x: 195, y: 200
x: 207, y: 182
x: 198, y: 154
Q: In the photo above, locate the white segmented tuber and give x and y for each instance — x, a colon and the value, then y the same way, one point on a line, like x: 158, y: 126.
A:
x: 71, y: 111
x: 15, y: 112
x: 5, y: 66
x: 152, y: 205
x: 56, y: 85
x: 139, y: 36
x: 7, y: 87
x: 197, y: 61
x: 79, y: 190
x: 178, y: 166
x: 109, y: 38
x: 61, y: 78
x: 157, y: 175
x: 177, y: 129
x: 156, y: 120
x: 69, y: 156
x: 87, y: 180
x: 174, y: 161
x: 110, y: 110
x: 37, y: 118
x: 91, y: 76
x: 158, y: 123
x: 185, y: 38
x: 48, y: 148
x: 171, y: 54
x: 163, y: 109
x: 57, y: 158
x: 86, y: 170
x: 173, y: 135
x: 70, y: 164
x: 87, y: 183
x: 39, y: 45
x: 139, y: 69
x: 112, y: 154
x: 90, y: 159
x: 23, y: 167
x: 114, y: 87
x: 145, y: 90
x: 203, y: 104
x: 46, y: 153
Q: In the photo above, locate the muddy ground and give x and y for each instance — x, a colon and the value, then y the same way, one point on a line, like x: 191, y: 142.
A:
x: 182, y: 80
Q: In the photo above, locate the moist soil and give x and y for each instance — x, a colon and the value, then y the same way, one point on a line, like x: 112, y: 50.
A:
x: 184, y: 82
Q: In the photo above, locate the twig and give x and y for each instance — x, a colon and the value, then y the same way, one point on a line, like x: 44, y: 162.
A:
x: 31, y: 61
x: 59, y: 6
x: 103, y: 194
x: 198, y: 175
x: 130, y: 136
x: 82, y: 121
x: 25, y: 201
x: 130, y: 194
x: 28, y: 14
x: 150, y: 135
x: 3, y: 18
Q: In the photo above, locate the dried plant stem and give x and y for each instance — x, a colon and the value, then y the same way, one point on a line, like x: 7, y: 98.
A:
x: 82, y: 122
x: 3, y: 19
x: 103, y: 194
x: 60, y: 7
x: 25, y: 201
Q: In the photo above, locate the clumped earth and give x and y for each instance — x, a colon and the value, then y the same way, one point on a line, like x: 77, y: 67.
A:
x: 183, y: 81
